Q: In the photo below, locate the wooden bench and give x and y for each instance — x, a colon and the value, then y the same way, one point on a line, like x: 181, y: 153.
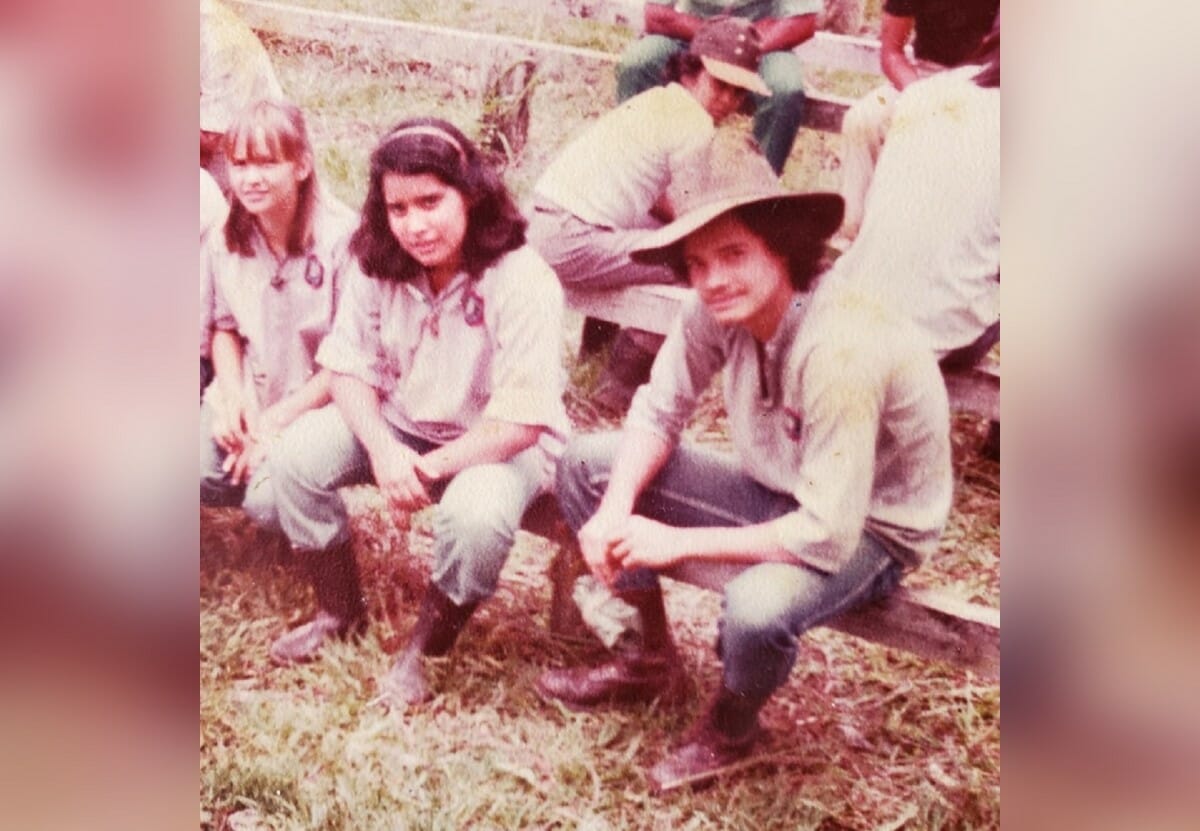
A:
x: 932, y: 624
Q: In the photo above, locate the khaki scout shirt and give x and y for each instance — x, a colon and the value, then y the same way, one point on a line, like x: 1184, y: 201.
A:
x: 488, y: 348
x: 281, y: 308
x: 843, y: 408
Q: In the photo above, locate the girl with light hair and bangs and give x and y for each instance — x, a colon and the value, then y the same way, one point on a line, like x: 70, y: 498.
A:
x: 272, y: 273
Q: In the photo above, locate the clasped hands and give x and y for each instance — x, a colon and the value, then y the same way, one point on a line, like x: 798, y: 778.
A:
x: 403, y: 476
x: 613, y: 541
x: 243, y: 433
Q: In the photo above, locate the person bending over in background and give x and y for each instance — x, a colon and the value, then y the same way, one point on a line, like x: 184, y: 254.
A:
x: 604, y: 192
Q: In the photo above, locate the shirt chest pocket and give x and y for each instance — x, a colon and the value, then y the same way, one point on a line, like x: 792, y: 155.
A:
x: 441, y: 366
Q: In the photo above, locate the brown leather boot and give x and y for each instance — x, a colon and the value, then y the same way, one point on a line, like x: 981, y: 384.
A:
x: 629, y: 364
x: 644, y: 671
x: 439, y: 623
x: 341, y: 611
x: 725, y: 735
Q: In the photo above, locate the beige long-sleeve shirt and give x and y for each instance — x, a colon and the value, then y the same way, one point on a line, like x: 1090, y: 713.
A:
x: 843, y: 408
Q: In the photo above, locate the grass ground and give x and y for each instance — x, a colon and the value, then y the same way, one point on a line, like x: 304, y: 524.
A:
x: 862, y: 737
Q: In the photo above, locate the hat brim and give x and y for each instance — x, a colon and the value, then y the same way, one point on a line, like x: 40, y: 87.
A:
x: 816, y: 214
x: 735, y: 75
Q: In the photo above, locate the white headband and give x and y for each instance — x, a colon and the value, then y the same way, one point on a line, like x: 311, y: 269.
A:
x: 429, y: 130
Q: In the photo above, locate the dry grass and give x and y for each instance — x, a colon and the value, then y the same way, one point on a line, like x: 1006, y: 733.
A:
x: 862, y: 736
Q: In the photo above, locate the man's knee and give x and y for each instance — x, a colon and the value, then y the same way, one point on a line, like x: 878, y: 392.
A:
x: 782, y: 74
x: 762, y: 597
x: 642, y: 64
x: 259, y: 503
x: 583, y: 474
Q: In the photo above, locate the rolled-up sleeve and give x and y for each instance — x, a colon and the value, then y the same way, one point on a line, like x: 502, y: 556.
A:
x: 353, y: 346
x: 527, y: 373
x: 841, y: 399
x: 215, y: 259
x: 690, y: 356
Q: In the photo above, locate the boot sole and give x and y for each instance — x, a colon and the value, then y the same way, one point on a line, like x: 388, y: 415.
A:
x: 673, y: 696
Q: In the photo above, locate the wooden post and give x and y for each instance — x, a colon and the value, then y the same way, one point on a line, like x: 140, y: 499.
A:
x: 545, y: 520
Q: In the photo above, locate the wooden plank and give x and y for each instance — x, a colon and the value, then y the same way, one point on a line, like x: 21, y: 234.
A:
x: 652, y: 308
x: 825, y: 112
x: 976, y: 391
x: 280, y: 18
x: 849, y: 53
x: 434, y: 43
x: 933, y: 625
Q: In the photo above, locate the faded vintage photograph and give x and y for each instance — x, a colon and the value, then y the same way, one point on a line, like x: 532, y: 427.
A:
x: 599, y: 417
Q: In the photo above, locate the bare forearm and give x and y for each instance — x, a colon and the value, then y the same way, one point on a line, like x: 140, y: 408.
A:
x: 781, y: 35
x: 640, y: 457
x: 748, y: 544
x: 664, y: 20
x: 489, y: 441
x: 893, y: 36
x: 358, y: 402
x: 898, y: 69
x: 227, y: 363
x: 315, y: 393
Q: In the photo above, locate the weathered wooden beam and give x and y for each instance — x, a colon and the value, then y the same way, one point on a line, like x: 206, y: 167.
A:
x: 652, y: 308
x: 378, y: 34
x: 848, y: 53
x: 931, y: 624
x: 347, y: 27
x: 975, y: 390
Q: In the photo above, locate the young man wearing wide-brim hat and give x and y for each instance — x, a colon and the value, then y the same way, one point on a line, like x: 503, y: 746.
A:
x: 839, y: 480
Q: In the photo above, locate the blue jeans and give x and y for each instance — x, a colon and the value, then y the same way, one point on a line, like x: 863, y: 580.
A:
x: 474, y: 523
x: 766, y: 606
x: 776, y: 117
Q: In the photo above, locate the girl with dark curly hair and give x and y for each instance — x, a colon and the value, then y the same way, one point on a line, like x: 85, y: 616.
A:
x: 447, y: 381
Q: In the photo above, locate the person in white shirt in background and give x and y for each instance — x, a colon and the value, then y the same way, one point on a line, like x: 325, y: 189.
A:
x: 234, y: 71
x: 947, y: 37
x: 930, y: 240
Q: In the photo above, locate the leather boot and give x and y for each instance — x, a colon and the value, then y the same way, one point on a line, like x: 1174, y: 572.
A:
x: 340, y: 608
x: 597, y: 334
x: 724, y: 735
x: 643, y: 671
x: 439, y: 623
x: 629, y: 364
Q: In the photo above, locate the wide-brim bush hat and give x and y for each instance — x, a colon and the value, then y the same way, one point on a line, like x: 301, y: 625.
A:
x: 730, y: 50
x: 728, y: 173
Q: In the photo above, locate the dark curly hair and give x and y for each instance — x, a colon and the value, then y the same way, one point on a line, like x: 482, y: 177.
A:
x: 430, y: 145
x: 803, y: 248
x: 682, y: 65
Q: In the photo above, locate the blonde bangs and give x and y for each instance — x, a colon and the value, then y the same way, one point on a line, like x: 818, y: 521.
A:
x: 267, y: 131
